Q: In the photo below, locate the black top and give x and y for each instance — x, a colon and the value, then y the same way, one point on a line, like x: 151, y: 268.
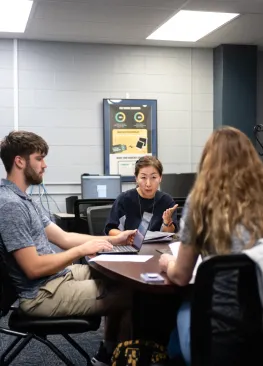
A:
x: 129, y: 206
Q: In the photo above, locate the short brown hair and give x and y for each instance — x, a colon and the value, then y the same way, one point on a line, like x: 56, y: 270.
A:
x: 20, y: 143
x: 148, y: 160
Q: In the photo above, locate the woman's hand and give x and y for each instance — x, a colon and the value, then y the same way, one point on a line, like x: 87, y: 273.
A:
x: 123, y: 238
x: 164, y: 260
x: 168, y: 215
x: 130, y: 238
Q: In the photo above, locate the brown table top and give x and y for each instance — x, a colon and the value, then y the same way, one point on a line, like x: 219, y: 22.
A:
x: 129, y: 272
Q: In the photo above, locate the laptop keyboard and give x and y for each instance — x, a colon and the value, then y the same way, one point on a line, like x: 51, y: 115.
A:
x: 123, y: 248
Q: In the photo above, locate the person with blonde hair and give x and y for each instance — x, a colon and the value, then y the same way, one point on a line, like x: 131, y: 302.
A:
x: 223, y: 213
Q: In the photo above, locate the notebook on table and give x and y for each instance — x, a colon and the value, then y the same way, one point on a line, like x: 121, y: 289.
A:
x: 138, y: 238
x: 158, y: 236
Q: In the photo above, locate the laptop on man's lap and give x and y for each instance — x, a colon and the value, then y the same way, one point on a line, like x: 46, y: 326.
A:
x: 138, y: 238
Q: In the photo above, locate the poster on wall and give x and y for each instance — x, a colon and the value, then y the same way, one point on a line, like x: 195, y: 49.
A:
x: 130, y: 132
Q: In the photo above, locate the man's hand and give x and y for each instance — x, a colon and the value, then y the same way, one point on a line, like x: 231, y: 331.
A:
x: 94, y: 246
x: 168, y: 215
x: 125, y: 237
x: 164, y: 260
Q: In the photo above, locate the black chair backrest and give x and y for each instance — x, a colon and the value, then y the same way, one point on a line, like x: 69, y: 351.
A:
x: 80, y: 210
x: 8, y: 294
x: 81, y: 205
x: 226, y: 313
x: 97, y: 217
x: 180, y: 202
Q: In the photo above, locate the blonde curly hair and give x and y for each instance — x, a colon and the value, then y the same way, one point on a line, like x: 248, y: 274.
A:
x: 228, y: 192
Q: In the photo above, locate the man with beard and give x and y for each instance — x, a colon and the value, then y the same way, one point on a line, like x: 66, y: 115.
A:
x: 46, y: 282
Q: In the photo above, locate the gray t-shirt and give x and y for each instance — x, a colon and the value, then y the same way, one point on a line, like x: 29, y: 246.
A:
x: 22, y: 224
x: 185, y: 233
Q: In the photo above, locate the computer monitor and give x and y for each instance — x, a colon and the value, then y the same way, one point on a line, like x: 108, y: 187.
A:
x: 100, y: 186
x: 177, y: 185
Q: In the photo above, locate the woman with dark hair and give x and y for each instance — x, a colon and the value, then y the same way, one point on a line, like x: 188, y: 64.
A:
x: 223, y: 213
x: 128, y: 208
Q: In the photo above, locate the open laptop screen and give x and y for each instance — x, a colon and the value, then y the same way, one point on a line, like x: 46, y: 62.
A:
x: 142, y: 229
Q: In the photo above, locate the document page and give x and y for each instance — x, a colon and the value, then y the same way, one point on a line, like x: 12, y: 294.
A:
x: 121, y: 258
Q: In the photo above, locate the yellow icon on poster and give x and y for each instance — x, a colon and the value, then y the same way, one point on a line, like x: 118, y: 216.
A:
x: 129, y: 141
x: 139, y: 117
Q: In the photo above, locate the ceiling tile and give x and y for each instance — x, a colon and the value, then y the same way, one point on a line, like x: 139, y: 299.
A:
x: 131, y: 21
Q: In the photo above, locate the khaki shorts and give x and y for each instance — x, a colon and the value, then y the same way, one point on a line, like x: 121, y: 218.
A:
x: 77, y: 293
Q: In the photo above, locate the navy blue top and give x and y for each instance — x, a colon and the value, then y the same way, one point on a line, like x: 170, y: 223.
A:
x: 129, y: 206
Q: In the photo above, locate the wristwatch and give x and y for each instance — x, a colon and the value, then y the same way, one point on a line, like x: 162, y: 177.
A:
x: 167, y: 225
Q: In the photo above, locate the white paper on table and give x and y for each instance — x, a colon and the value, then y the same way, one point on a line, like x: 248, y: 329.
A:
x: 175, y: 247
x: 121, y: 258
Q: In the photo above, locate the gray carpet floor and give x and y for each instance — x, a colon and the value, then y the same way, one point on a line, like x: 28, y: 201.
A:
x: 36, y: 353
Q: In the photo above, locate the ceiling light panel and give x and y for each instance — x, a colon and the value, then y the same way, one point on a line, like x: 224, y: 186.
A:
x: 190, y: 26
x: 14, y: 15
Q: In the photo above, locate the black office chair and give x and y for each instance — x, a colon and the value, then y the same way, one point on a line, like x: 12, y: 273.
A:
x: 226, y: 315
x: 25, y: 328
x: 80, y: 209
x: 97, y: 217
x: 180, y: 201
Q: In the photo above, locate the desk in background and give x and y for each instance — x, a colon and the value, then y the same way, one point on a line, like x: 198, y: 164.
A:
x: 65, y: 221
x: 74, y: 223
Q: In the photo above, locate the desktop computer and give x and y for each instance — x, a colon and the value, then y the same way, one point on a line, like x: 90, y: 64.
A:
x: 100, y: 186
x: 177, y: 185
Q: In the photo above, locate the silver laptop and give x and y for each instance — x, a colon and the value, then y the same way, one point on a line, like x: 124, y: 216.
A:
x: 138, y: 238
